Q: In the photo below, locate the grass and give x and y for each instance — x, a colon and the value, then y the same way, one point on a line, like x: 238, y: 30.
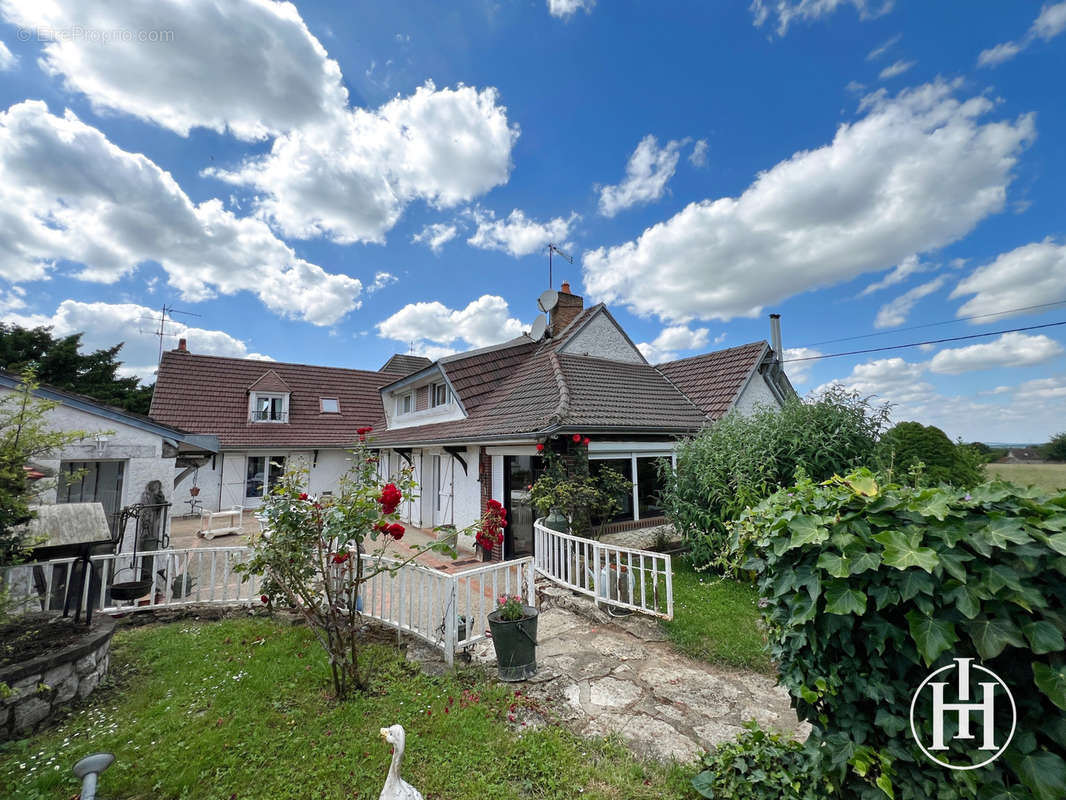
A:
x: 240, y: 709
x: 717, y: 620
x: 1046, y: 476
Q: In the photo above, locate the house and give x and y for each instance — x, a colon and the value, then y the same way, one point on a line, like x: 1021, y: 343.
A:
x: 467, y: 424
x: 126, y: 459
x: 268, y: 417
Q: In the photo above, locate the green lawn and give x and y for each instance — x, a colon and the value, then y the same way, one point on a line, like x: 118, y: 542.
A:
x: 1046, y: 476
x: 717, y: 620
x: 241, y: 709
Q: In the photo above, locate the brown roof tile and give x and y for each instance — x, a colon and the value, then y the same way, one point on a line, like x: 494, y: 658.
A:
x: 405, y: 364
x: 209, y: 394
x: 475, y: 376
x: 713, y: 380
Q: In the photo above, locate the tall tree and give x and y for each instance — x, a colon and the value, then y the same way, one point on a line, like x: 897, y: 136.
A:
x: 59, y: 362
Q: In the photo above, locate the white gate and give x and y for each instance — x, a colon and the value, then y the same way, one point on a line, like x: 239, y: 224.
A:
x: 639, y: 580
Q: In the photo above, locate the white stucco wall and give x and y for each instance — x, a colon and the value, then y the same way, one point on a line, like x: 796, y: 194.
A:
x: 208, y: 478
x: 600, y: 338
x: 757, y: 393
x: 140, y: 451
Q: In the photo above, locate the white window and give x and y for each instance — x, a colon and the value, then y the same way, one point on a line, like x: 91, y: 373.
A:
x: 330, y: 405
x: 268, y: 407
x: 439, y: 394
x: 405, y: 403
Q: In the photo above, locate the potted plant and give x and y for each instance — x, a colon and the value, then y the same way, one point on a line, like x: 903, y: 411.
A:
x: 514, y: 636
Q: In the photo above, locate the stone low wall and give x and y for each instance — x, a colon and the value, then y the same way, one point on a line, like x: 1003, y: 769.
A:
x: 40, y: 687
x: 643, y: 538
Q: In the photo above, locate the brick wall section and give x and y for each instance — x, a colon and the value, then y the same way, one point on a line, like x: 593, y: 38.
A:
x: 566, y: 310
x: 421, y: 398
x: 484, y: 476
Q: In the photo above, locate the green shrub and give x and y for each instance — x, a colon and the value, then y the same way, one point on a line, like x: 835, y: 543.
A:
x: 1055, y: 450
x: 757, y: 765
x: 741, y: 460
x: 869, y: 589
x: 909, y: 444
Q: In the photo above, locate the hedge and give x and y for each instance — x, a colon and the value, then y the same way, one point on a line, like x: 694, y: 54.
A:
x: 868, y: 589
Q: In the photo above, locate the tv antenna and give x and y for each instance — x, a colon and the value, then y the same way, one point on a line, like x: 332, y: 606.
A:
x: 162, y: 331
x: 553, y: 249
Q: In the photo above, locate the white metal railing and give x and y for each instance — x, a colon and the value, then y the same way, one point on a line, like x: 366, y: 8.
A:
x: 447, y: 610
x: 639, y: 580
x: 177, y: 577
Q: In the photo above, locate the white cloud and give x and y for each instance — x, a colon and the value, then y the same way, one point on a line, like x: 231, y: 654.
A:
x: 896, y: 68
x: 899, y: 273
x: 1009, y: 350
x: 1049, y: 23
x: 798, y: 362
x: 884, y: 47
x: 104, y: 325
x: 647, y: 172
x: 567, y: 8
x: 517, y: 234
x: 855, y: 86
x: 672, y: 341
x: 895, y: 311
x: 381, y: 280
x: 69, y: 194
x: 435, y: 236
x: 250, y: 66
x: 887, y: 379
x: 436, y: 330
x: 916, y: 173
x: 8, y: 60
x: 1026, y: 276
x: 698, y: 156
x: 351, y: 178
x: 788, y: 11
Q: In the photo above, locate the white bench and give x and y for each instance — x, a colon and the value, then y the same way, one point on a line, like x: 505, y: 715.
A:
x: 221, y: 523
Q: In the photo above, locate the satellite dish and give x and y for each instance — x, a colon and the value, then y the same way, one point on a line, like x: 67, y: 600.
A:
x: 547, y: 300
x: 540, y: 325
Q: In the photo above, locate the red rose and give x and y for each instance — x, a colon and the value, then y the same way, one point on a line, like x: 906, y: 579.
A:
x: 340, y: 558
x: 396, y: 531
x: 303, y: 495
x: 365, y: 430
x: 586, y: 441
x: 540, y: 447
x: 576, y: 437
x: 265, y: 599
x: 389, y: 498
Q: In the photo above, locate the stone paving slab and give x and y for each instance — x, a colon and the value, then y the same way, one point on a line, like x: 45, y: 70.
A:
x: 604, y: 676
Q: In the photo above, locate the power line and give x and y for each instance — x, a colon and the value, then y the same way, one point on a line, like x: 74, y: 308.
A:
x: 935, y: 324
x: 919, y: 344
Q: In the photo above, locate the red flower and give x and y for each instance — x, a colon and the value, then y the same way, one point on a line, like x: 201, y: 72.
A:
x: 586, y: 441
x: 365, y: 430
x: 576, y: 437
x: 265, y: 599
x: 389, y: 498
x: 396, y: 531
x: 540, y: 447
x: 381, y: 527
x: 340, y: 558
x: 303, y: 495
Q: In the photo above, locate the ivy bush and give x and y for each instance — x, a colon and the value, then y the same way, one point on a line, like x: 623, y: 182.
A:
x: 868, y: 589
x: 741, y: 460
x: 757, y: 765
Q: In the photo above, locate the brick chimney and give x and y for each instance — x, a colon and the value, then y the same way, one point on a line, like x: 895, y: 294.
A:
x: 566, y: 310
x: 181, y: 346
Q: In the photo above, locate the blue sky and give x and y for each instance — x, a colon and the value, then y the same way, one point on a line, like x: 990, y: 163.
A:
x: 331, y: 183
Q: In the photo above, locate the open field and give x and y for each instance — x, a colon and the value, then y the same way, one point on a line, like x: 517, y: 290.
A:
x: 1048, y: 476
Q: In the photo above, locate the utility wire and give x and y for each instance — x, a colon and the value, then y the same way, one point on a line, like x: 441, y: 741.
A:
x: 929, y: 341
x: 935, y: 324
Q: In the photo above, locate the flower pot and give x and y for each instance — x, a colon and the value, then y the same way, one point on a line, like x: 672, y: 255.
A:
x: 516, y: 645
x: 557, y: 521
x: 485, y: 553
x: 460, y: 628
x: 194, y: 491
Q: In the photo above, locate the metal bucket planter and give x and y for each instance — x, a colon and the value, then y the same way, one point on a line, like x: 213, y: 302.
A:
x: 516, y: 645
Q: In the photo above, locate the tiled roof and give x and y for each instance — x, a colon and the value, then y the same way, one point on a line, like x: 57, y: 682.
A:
x: 209, y: 394
x: 713, y: 380
x: 474, y: 376
x: 269, y: 381
x: 403, y: 364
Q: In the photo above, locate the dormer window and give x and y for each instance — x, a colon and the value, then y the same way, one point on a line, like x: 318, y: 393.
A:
x: 330, y: 405
x: 269, y: 407
x: 405, y: 403
x: 439, y: 394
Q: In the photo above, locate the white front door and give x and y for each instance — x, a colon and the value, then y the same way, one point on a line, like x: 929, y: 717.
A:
x: 442, y: 494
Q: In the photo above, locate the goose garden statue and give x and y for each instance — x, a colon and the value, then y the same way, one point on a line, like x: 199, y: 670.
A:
x: 396, y: 788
